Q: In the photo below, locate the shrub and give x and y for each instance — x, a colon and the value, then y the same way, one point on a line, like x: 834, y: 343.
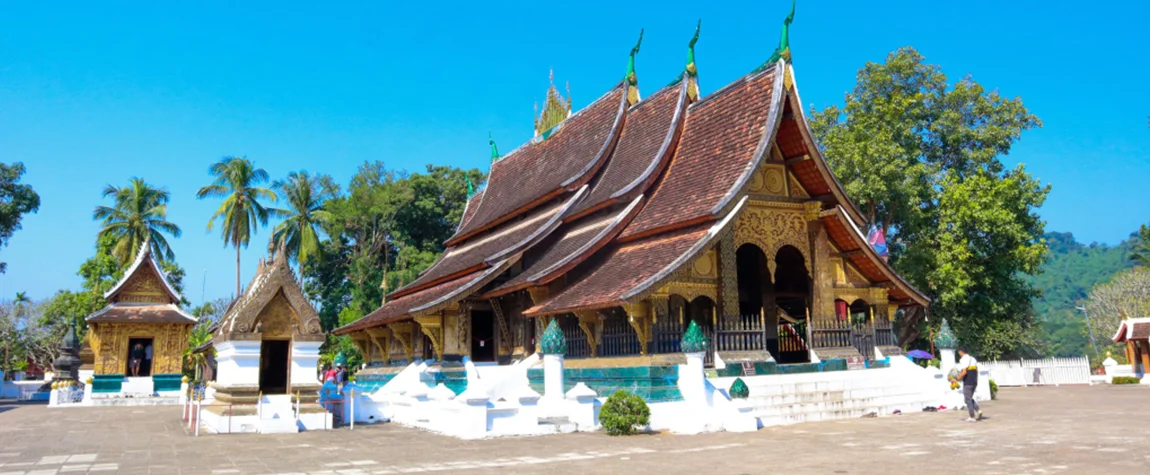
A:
x: 993, y: 389
x: 623, y: 413
x: 1124, y: 380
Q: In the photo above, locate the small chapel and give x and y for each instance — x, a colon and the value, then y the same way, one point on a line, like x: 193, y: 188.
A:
x: 138, y: 339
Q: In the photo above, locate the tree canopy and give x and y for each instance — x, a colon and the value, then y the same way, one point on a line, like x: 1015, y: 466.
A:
x: 237, y: 181
x: 138, y: 215
x: 921, y: 156
x: 16, y: 200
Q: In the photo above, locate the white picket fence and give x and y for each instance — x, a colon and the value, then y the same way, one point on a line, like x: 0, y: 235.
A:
x: 1049, y: 371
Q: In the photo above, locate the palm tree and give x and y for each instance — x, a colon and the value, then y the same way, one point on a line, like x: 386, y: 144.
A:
x: 138, y: 215
x: 236, y: 182
x: 297, y: 233
x: 197, y: 360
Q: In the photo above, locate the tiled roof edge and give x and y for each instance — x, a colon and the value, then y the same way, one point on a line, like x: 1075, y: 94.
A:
x: 712, y: 234
x: 585, y: 174
x: 145, y: 251
x: 661, y: 156
x: 770, y: 130
x: 884, y: 266
x: 544, y: 230
x: 605, y: 235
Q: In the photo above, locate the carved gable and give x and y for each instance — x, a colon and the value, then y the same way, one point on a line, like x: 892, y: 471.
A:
x: 278, y: 319
x: 144, y: 286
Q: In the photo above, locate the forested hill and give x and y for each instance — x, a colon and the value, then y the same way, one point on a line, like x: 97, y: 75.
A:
x: 1070, y: 272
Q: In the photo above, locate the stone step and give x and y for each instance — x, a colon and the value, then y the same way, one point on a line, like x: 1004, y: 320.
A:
x: 278, y: 425
x: 561, y: 425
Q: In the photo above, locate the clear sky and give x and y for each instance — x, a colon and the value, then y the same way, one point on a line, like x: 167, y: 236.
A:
x: 93, y: 93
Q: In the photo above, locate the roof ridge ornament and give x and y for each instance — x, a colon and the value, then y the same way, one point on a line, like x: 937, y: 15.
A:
x: 692, y: 70
x: 470, y: 190
x: 783, y: 51
x: 555, y: 109
x: 631, y: 79
x: 494, y: 149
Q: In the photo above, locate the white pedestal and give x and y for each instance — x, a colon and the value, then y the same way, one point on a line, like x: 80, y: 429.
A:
x: 946, y: 358
x: 581, y: 406
x: 238, y: 363
x: 305, y: 362
x: 553, y: 377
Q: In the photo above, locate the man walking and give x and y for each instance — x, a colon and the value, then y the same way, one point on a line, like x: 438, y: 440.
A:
x: 969, y: 377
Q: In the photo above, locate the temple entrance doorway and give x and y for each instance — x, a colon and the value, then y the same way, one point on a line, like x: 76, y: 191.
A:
x: 143, y: 353
x: 792, y: 292
x: 483, y: 336
x: 275, y: 357
x: 751, y: 271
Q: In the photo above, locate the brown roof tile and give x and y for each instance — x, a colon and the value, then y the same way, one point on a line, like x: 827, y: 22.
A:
x: 569, y: 247
x: 492, y: 245
x: 644, y: 147
x: 142, y: 313
x: 620, y: 270
x: 722, y: 140
x: 848, y: 238
x: 401, y: 308
x: 565, y: 160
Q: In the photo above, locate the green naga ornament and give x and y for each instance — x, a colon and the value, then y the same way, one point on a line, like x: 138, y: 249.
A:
x: 494, y: 149
x: 694, y: 341
x: 946, y: 338
x: 784, y: 49
x: 470, y: 187
x: 554, y: 342
x: 739, y: 389
x: 691, y: 51
x: 630, y: 77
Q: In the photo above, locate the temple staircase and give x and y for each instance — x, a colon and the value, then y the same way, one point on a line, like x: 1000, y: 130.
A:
x: 138, y: 386
x: 277, y: 415
x: 808, y: 397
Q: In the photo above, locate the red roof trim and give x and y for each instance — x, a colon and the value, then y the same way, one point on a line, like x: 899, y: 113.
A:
x: 892, y: 276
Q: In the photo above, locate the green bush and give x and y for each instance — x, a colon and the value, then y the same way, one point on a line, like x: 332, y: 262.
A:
x: 623, y: 413
x: 1124, y: 380
x: 993, y: 389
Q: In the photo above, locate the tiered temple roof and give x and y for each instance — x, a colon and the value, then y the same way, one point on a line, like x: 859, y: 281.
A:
x: 143, y: 295
x: 622, y: 194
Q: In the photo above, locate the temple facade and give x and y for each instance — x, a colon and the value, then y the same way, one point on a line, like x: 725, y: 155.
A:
x: 143, y: 321
x: 639, y: 214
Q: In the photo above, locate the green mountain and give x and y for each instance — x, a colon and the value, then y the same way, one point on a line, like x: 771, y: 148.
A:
x: 1070, y: 272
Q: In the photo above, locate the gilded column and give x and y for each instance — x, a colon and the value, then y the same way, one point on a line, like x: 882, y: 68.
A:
x: 728, y: 278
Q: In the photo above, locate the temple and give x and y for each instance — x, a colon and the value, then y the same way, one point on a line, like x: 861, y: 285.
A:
x: 634, y: 218
x: 143, y: 317
x: 1135, y: 333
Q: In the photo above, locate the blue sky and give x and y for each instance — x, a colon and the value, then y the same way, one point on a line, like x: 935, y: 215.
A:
x: 92, y: 95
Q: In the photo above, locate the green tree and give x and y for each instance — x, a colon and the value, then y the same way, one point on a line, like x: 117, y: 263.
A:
x: 1141, y: 253
x: 299, y: 232
x: 138, y: 215
x: 236, y: 181
x: 1127, y: 295
x: 921, y: 157
x: 16, y: 200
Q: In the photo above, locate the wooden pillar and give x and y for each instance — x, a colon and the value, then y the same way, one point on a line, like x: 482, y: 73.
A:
x: 822, y: 280
x: 1145, y: 354
x: 728, y: 277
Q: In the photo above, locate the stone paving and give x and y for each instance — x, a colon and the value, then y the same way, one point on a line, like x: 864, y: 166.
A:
x: 1071, y: 430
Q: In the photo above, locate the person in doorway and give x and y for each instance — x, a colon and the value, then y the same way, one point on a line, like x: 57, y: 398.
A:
x: 968, y: 374
x: 147, y: 366
x: 136, y: 357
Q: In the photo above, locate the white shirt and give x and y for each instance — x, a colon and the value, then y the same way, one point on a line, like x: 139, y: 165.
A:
x: 968, y: 362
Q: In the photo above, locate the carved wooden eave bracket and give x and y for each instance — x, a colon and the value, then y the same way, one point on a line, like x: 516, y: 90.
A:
x: 402, y: 331
x: 432, y: 327
x: 640, y: 316
x: 592, y: 325
x: 381, y: 338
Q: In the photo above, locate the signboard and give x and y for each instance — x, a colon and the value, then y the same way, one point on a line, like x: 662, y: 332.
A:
x: 855, y: 362
x: 748, y: 368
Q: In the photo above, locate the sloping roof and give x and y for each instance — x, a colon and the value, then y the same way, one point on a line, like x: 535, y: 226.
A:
x: 493, y: 246
x: 644, y: 148
x: 469, y: 209
x: 127, y: 312
x: 632, y: 269
x: 541, y: 170
x: 142, y: 263
x: 1132, y: 329
x: 848, y: 237
x: 568, y: 248
x: 426, y: 299
x: 724, y: 139
x: 273, y: 277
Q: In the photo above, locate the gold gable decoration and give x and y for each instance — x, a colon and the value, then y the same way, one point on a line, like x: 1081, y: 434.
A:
x: 273, y: 307
x: 556, y: 109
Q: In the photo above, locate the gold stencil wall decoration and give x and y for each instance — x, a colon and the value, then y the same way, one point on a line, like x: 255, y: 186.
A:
x: 143, y: 287
x: 278, y: 319
x: 771, y: 229
x: 168, y: 343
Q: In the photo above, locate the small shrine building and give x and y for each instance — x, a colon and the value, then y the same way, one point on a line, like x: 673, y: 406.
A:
x: 143, y: 309
x: 1135, y: 333
x: 268, y: 340
x: 638, y: 214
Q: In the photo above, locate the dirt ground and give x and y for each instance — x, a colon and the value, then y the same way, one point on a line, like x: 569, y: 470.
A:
x: 1072, y: 430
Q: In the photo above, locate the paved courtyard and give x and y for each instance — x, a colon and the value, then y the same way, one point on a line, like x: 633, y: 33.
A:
x: 1072, y: 430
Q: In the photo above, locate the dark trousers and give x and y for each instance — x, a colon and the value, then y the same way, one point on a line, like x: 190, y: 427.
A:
x: 968, y: 397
